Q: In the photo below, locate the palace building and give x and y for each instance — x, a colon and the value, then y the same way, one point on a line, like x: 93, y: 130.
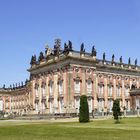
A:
x: 60, y: 76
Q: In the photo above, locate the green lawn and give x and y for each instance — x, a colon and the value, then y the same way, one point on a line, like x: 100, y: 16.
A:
x: 128, y: 129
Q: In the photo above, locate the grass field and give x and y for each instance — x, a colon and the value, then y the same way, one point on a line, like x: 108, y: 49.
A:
x: 128, y: 129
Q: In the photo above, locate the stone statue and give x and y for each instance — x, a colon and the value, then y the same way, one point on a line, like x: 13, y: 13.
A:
x: 48, y: 50
x: 82, y: 50
x: 41, y: 57
x: 22, y: 84
x: 57, y: 47
x: 13, y: 86
x: 121, y: 59
x: 82, y: 47
x: 65, y: 47
x: 129, y: 61
x: 136, y: 61
x: 10, y: 86
x: 4, y: 86
x: 33, y: 60
x: 113, y: 58
x: 70, y: 45
x: 104, y: 56
x: 94, y: 53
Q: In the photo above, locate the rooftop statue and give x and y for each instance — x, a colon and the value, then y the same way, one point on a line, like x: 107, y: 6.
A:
x: 121, y: 59
x: 48, y: 50
x: 41, y: 57
x: 82, y: 50
x: 4, y: 86
x: 113, y: 58
x: 94, y: 53
x: 57, y: 47
x: 136, y: 61
x: 104, y: 56
x: 129, y: 61
x: 33, y: 60
x: 70, y: 45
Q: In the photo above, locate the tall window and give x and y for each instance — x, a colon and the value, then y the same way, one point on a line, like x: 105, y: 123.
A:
x: 89, y: 86
x: 127, y: 105
x: 101, y: 105
x: 61, y: 104
x: 43, y: 90
x: 101, y: 90
x: 37, y: 106
x: 118, y: 91
x: 77, y: 104
x: 77, y: 86
x: 60, y: 87
x: 1, y: 105
x: 137, y: 103
x: 110, y: 105
x: 127, y: 92
x: 90, y: 105
x: 36, y: 91
x: 43, y: 105
x: 110, y: 91
x: 51, y: 87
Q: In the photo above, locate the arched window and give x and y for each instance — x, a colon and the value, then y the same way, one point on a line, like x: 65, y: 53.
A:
x: 109, y: 91
x: 51, y: 87
x: 36, y: 90
x: 101, y: 90
x: 60, y: 86
x: 89, y: 86
x: 77, y: 86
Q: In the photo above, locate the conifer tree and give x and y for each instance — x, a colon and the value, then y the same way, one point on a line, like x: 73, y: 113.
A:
x: 116, y: 110
x: 84, y: 110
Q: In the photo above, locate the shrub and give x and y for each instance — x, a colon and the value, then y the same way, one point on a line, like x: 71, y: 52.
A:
x: 116, y: 110
x: 84, y: 110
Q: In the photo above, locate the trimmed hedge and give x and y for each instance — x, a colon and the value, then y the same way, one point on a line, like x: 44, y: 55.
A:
x: 84, y: 110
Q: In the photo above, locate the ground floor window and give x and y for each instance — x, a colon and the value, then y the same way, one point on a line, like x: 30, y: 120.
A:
x: 137, y: 103
x: 127, y: 105
x: 61, y: 104
x: 110, y: 105
x: 101, y: 105
x: 37, y: 106
x: 77, y: 104
x: 90, y: 105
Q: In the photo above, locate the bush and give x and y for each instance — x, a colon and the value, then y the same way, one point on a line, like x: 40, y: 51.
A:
x: 84, y: 110
x: 116, y: 110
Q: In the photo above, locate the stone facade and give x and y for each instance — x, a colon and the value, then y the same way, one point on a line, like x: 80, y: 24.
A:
x: 60, y: 76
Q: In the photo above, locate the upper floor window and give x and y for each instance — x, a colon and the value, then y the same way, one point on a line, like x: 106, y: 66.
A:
x: 43, y: 87
x: 36, y: 90
x: 118, y: 90
x: 60, y: 86
x: 89, y: 86
x: 110, y: 91
x: 51, y: 87
x: 101, y: 90
x: 77, y: 86
x: 126, y: 91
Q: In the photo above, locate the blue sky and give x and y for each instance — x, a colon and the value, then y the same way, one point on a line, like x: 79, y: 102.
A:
x: 113, y: 26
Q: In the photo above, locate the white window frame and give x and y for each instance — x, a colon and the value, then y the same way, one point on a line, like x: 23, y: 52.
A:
x: 60, y: 87
x: 77, y: 86
x: 110, y: 91
x: 89, y: 86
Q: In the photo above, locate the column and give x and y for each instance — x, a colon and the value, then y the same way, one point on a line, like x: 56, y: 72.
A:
x: 83, y: 89
x: 95, y: 85
x: 55, y: 92
x: 123, y: 93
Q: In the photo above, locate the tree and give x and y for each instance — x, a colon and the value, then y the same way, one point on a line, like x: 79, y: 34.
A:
x: 116, y: 110
x: 84, y: 110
